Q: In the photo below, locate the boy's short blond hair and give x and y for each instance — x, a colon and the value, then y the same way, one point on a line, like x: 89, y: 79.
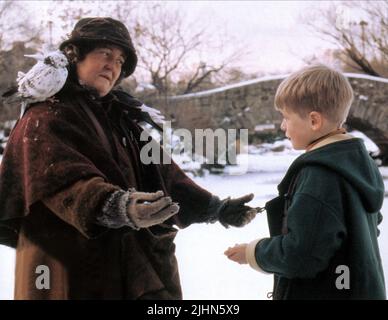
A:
x: 316, y: 88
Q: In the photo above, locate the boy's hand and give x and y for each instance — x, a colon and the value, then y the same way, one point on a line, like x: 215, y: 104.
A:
x: 237, y: 253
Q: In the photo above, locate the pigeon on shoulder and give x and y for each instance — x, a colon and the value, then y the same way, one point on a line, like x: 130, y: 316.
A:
x: 42, y: 81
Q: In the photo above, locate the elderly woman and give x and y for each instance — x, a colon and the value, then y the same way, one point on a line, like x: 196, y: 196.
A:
x: 75, y: 198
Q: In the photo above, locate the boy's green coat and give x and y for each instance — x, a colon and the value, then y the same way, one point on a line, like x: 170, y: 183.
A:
x: 330, y: 227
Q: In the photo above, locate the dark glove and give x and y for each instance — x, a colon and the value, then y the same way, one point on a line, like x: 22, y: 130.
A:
x: 235, y: 213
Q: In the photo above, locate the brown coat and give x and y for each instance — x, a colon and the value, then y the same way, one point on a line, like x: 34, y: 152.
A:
x: 54, y: 177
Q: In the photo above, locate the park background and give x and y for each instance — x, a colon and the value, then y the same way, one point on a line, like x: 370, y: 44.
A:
x: 190, y: 50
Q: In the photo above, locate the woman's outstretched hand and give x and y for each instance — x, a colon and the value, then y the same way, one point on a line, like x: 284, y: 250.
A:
x: 236, y: 213
x: 147, y: 209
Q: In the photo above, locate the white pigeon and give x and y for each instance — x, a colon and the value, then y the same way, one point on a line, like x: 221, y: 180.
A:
x: 155, y: 114
x: 44, y: 79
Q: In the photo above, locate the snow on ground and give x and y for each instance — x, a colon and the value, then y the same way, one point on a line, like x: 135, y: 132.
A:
x: 7, y: 263
x: 205, y: 272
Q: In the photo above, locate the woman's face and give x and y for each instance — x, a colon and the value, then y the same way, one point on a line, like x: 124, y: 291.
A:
x: 101, y: 68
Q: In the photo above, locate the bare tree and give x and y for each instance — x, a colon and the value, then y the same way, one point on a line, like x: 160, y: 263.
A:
x: 4, y: 9
x: 164, y: 42
x: 15, y: 24
x: 360, y: 31
x: 173, y: 49
x: 64, y: 14
x: 201, y: 73
x: 18, y: 33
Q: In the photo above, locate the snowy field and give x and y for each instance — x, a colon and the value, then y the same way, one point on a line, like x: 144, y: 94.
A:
x: 205, y: 272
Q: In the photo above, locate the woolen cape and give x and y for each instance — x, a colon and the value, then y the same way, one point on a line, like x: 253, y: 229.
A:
x: 52, y: 147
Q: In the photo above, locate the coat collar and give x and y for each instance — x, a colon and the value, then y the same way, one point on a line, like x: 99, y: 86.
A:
x: 331, y: 139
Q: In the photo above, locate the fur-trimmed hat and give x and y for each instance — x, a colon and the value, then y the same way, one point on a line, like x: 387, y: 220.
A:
x: 107, y: 30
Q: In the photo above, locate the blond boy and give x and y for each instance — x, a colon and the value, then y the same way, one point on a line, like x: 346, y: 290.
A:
x: 323, y: 225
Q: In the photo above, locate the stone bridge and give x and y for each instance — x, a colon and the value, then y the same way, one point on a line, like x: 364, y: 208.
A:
x: 249, y: 105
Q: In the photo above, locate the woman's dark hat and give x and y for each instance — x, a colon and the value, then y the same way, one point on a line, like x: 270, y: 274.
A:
x: 106, y: 30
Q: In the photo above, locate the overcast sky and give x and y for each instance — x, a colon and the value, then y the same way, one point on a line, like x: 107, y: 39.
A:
x: 272, y: 30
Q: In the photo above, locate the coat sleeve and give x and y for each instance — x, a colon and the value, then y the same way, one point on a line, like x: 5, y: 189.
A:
x: 196, y: 204
x: 50, y: 149
x: 316, y: 231
x: 194, y: 201
x: 314, y: 235
x: 81, y: 203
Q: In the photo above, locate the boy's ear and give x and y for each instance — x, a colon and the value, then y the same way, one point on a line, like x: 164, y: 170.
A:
x: 316, y: 120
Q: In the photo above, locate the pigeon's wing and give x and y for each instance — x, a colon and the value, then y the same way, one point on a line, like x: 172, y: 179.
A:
x: 43, y: 82
x: 27, y: 83
x: 155, y: 114
x: 57, y: 81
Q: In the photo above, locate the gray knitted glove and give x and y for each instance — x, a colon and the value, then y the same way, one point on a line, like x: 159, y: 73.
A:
x: 136, y: 209
x: 147, y: 209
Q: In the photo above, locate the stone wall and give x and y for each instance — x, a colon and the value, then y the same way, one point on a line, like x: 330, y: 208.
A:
x: 243, y: 105
x: 369, y: 112
x: 250, y: 104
